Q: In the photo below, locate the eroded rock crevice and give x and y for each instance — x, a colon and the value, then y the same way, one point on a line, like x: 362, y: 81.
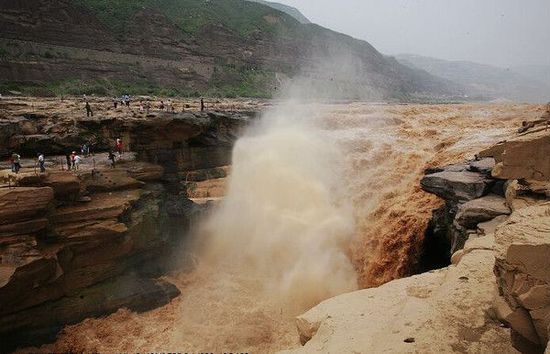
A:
x: 514, y: 212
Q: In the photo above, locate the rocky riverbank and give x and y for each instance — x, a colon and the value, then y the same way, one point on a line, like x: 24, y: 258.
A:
x: 495, y: 228
x: 79, y: 244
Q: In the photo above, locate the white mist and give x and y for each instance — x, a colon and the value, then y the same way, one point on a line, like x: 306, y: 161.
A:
x: 285, y: 220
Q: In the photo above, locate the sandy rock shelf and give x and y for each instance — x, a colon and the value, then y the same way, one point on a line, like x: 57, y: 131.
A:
x: 444, y: 311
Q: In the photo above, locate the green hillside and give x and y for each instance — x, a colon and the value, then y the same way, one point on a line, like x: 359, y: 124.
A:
x: 191, y: 47
x: 243, y: 17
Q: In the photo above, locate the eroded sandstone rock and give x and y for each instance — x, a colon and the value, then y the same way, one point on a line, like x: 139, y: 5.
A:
x: 526, y: 157
x: 523, y: 274
x: 444, y: 311
x: 23, y: 203
x: 480, y: 210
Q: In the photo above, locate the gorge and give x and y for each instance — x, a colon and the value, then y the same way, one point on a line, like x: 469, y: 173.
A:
x: 355, y: 218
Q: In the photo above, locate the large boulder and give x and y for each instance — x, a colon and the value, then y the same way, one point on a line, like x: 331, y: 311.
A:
x: 524, y: 157
x: 483, y: 165
x: 457, y: 186
x: 523, y: 276
x: 479, y: 210
x: 66, y: 185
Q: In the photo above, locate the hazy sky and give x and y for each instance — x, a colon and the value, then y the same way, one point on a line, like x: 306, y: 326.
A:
x: 498, y: 32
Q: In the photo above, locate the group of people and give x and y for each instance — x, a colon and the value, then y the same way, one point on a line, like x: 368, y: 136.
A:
x: 124, y: 101
x: 169, y: 106
x: 15, y: 160
x: 73, y: 159
x: 144, y: 106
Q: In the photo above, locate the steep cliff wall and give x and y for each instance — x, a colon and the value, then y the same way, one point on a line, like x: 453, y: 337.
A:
x: 84, y: 243
x: 509, y: 199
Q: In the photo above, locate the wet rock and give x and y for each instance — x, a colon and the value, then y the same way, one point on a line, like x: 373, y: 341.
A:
x: 206, y: 174
x: 457, y: 186
x: 484, y: 165
x: 457, y: 167
x: 479, y: 210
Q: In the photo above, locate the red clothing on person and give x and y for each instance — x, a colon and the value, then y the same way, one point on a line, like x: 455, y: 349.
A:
x: 119, y: 146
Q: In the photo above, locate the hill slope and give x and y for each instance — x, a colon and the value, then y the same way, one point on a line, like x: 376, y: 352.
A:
x: 482, y: 80
x: 289, y: 10
x: 189, y: 47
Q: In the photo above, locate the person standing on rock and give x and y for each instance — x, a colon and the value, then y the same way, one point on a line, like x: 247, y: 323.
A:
x: 202, y: 104
x: 77, y: 161
x: 85, y: 150
x: 89, y: 111
x: 112, y: 159
x: 41, y: 162
x: 118, y: 146
x: 15, y: 162
x: 73, y: 155
x: 115, y: 102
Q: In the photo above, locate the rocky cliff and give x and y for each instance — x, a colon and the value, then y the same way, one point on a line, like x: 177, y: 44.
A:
x: 189, y: 47
x: 505, y: 193
x: 495, y: 227
x: 79, y: 244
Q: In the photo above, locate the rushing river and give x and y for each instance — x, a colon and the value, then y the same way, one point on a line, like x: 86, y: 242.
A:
x: 321, y: 200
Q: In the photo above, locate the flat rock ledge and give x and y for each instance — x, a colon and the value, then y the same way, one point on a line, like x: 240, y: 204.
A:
x: 443, y: 311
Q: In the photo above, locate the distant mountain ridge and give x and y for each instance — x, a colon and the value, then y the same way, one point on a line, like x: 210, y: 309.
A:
x: 292, y: 11
x: 483, y: 81
x: 191, y: 47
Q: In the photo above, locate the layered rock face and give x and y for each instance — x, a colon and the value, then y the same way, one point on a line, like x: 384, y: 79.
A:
x: 78, y: 244
x: 62, y: 259
x: 518, y: 184
x: 471, y: 197
x: 524, y: 157
x: 523, y: 242
x: 196, y: 139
